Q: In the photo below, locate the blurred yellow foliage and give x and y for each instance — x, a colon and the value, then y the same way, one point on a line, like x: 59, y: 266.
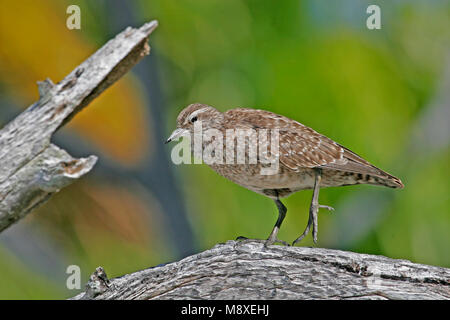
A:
x: 36, y: 44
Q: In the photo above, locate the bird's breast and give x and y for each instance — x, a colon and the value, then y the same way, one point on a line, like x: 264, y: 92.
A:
x: 250, y: 177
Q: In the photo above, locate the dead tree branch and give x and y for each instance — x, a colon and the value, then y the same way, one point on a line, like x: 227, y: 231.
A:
x: 32, y: 168
x: 248, y: 270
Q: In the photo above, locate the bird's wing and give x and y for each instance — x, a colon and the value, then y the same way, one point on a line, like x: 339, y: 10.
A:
x: 299, y: 145
x: 302, y: 147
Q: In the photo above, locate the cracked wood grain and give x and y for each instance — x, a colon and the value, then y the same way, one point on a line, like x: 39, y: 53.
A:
x: 248, y: 270
x: 31, y: 167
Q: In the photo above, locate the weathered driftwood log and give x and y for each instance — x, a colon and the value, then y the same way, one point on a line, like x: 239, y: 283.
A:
x: 248, y: 270
x: 31, y: 168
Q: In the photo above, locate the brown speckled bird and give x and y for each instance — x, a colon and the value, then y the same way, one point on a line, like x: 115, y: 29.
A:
x: 307, y: 160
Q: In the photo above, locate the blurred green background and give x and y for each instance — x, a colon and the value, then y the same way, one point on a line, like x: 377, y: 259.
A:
x: 382, y: 93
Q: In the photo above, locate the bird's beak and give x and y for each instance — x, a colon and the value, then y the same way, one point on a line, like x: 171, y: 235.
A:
x: 177, y: 133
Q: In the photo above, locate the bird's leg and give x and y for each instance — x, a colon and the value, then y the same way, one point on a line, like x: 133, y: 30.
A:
x: 314, y: 209
x: 273, y: 235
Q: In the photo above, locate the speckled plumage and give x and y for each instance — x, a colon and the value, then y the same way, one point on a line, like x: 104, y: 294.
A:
x: 303, y: 154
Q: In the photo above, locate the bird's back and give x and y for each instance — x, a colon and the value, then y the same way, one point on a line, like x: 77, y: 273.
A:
x: 300, y: 148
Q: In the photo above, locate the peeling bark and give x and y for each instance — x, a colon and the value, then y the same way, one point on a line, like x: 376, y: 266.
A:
x: 32, y: 168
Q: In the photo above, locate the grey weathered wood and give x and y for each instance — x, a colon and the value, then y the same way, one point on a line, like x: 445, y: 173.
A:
x: 248, y: 270
x: 31, y: 168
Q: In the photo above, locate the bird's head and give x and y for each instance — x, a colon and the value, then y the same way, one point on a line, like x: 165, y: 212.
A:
x: 195, y: 114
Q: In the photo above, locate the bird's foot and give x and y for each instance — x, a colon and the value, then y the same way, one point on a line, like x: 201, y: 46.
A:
x: 242, y: 239
x: 304, y: 234
x: 267, y: 242
x: 312, y: 221
x: 273, y: 238
x: 326, y: 207
x: 270, y: 242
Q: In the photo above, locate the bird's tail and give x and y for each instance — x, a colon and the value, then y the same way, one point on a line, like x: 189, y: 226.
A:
x: 388, y: 181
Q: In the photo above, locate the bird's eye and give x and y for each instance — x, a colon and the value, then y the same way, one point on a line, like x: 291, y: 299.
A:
x: 194, y: 119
